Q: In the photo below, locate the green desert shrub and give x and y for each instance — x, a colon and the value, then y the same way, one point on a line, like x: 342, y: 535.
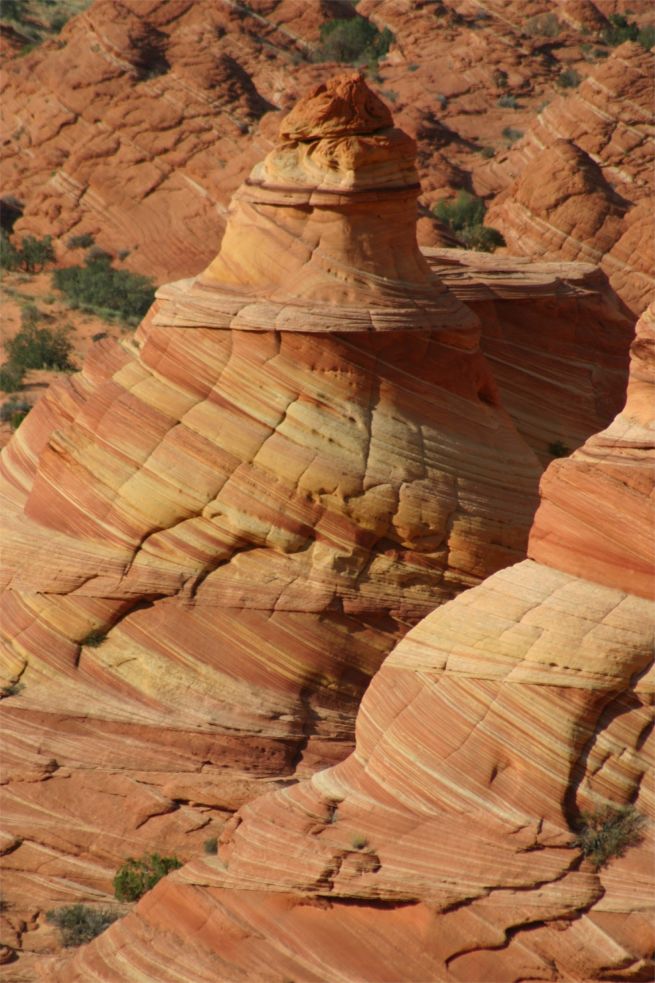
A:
x: 11, y: 378
x: 465, y: 210
x: 37, y: 347
x: 353, y: 40
x: 646, y: 37
x: 98, y: 287
x: 211, y: 845
x: 507, y: 102
x: 568, y: 79
x: 359, y: 841
x: 484, y: 238
x: 136, y: 877
x: 619, y: 30
x: 78, y: 923
x: 14, y: 412
x: 35, y: 253
x: 512, y: 135
x: 465, y: 216
x: 31, y: 256
x: 8, y: 253
x: 82, y: 241
x: 608, y: 831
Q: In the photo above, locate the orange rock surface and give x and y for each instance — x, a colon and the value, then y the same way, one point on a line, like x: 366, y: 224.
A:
x: 215, y: 533
x: 582, y: 183
x: 442, y: 848
x: 555, y: 336
x: 138, y: 122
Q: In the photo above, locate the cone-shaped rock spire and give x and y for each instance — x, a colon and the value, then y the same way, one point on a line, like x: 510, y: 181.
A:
x: 322, y: 235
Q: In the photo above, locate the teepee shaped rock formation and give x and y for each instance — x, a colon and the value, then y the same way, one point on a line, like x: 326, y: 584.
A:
x: 442, y: 848
x: 214, y: 534
x: 322, y: 235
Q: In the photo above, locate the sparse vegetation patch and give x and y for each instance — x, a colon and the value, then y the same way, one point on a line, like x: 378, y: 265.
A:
x: 100, y: 289
x: 79, y: 923
x: 35, y: 347
x: 568, y: 79
x: 31, y: 256
x: 353, y: 40
x: 136, y: 877
x: 465, y: 216
x: 607, y: 833
x: 620, y: 29
x: 512, y: 135
x: 14, y: 411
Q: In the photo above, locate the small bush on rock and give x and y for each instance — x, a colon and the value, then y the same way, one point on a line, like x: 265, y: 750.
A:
x: 512, y: 135
x: 136, y: 877
x: 464, y: 216
x: 544, y: 25
x: 353, y: 40
x: 608, y: 831
x: 619, y: 30
x: 78, y: 923
x: 34, y: 253
x: 14, y: 412
x: 82, y: 241
x: 568, y: 79
x: 11, y: 378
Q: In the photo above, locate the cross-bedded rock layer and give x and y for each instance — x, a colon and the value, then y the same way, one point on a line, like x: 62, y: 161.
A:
x: 441, y: 849
x: 214, y: 534
x: 579, y: 185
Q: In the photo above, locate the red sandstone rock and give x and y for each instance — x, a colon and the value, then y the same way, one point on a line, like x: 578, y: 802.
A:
x: 138, y: 122
x: 442, y: 848
x: 216, y: 532
x: 581, y: 165
x: 613, y: 469
x: 556, y: 337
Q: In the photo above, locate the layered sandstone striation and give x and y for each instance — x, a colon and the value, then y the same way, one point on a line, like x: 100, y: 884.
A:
x: 138, y: 121
x: 215, y: 533
x: 442, y: 847
x: 556, y: 337
x: 579, y: 184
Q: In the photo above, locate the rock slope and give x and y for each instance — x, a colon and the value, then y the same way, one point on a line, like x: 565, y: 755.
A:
x: 137, y: 123
x: 581, y: 182
x: 442, y: 848
x: 555, y: 336
x: 213, y: 535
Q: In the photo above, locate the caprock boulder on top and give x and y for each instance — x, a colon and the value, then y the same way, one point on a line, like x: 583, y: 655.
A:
x: 214, y: 534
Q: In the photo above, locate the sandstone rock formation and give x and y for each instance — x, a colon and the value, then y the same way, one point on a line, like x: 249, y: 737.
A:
x: 582, y: 177
x: 441, y: 849
x: 140, y: 119
x: 215, y: 533
x: 555, y: 336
